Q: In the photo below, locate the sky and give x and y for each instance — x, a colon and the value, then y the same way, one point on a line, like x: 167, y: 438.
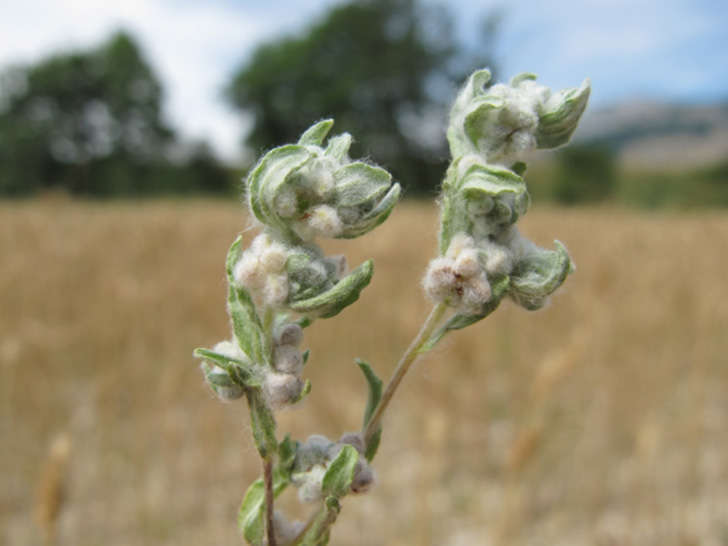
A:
x: 646, y: 49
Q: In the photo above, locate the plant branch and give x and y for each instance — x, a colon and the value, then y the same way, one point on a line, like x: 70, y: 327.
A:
x: 403, y: 366
x: 269, y: 499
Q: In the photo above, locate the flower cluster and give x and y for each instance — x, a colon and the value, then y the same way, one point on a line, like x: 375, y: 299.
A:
x: 483, y: 257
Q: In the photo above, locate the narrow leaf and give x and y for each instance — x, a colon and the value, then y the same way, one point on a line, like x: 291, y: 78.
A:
x: 344, y: 293
x: 340, y: 472
x: 338, y: 147
x: 242, y: 373
x: 560, y: 116
x: 375, y: 389
x: 374, y: 217
x: 358, y: 184
x: 315, y: 135
x: 251, y: 515
x: 538, y: 275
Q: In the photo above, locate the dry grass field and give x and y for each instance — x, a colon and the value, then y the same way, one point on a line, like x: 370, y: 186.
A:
x: 600, y: 420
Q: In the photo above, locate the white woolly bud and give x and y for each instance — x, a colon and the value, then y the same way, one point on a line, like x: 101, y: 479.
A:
x: 439, y: 279
x: 475, y: 292
x: 260, y: 243
x: 324, y: 220
x: 247, y: 271
x: 275, y: 291
x: 458, y: 278
x: 288, y: 334
x: 287, y: 359
x: 310, y: 484
x: 321, y: 178
x: 281, y: 389
x: 273, y: 259
x: 229, y: 349
x: 498, y: 259
x: 363, y: 480
x: 318, y: 442
x: 285, y: 531
x: 286, y: 203
x: 353, y: 439
x: 467, y: 264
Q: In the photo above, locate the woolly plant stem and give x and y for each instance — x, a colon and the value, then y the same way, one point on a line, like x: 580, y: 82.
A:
x: 404, y: 364
x: 269, y: 499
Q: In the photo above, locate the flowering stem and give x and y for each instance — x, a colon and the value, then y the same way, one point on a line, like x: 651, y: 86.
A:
x: 403, y: 366
x: 268, y: 481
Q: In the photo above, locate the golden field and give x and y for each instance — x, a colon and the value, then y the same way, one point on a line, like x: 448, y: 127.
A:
x: 602, y: 419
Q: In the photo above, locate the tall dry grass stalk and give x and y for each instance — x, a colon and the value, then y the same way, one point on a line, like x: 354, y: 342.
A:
x: 51, y: 492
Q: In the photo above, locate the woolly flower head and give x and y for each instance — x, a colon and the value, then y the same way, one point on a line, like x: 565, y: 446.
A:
x: 302, y: 191
x: 457, y: 278
x: 502, y: 122
x: 262, y: 270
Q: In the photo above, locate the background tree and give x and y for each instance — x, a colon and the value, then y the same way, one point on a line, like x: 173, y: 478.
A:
x: 382, y: 68
x: 91, y: 122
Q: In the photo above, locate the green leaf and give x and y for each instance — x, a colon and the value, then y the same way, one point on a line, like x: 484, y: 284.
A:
x: 286, y: 458
x: 318, y: 534
x: 233, y: 257
x: 340, y: 472
x: 374, y: 217
x: 307, y: 274
x: 251, y: 520
x: 560, y: 116
x: 304, y: 392
x: 242, y: 373
x: 481, y: 117
x: 499, y: 288
x: 522, y: 77
x: 338, y: 147
x: 246, y: 323
x: 267, y: 179
x: 375, y: 389
x: 359, y: 184
x: 315, y: 135
x: 538, y: 275
x: 345, y: 292
x: 372, y: 446
x: 375, y: 395
x: 251, y: 515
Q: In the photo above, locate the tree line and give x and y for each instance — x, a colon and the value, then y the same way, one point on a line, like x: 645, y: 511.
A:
x: 90, y: 122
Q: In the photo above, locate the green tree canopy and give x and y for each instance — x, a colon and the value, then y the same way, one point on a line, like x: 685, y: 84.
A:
x: 77, y: 110
x: 91, y: 122
x: 382, y: 68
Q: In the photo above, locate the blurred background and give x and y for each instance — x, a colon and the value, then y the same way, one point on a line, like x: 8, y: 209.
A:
x: 125, y: 131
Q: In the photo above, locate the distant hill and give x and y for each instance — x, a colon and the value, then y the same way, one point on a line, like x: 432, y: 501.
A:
x: 660, y: 135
